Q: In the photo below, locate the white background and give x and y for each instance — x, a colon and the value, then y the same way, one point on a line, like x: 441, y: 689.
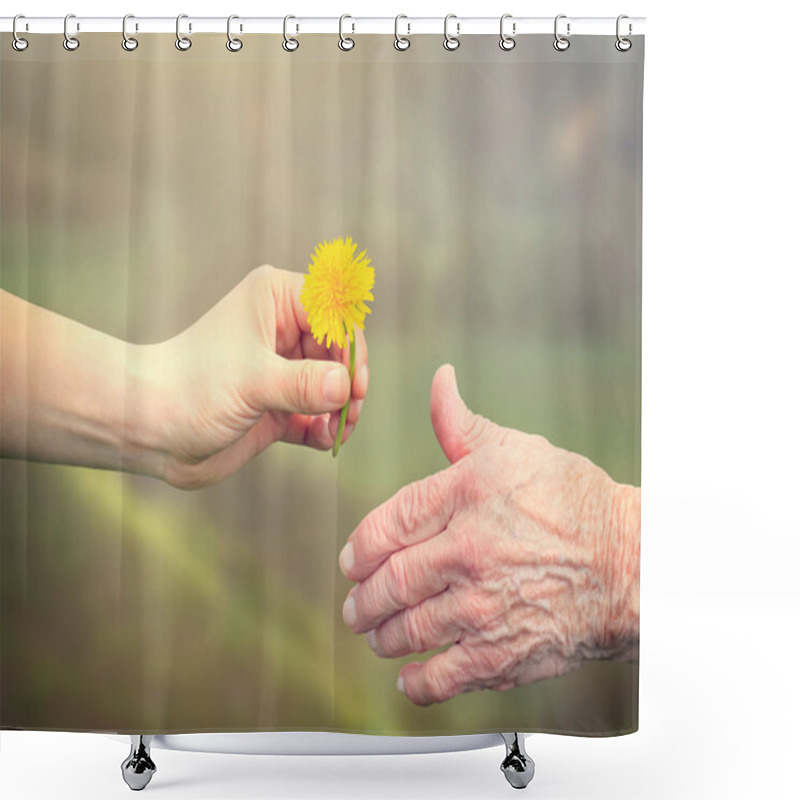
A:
x: 720, y: 599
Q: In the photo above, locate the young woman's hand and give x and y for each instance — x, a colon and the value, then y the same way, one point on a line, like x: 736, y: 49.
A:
x: 190, y: 410
x: 246, y: 374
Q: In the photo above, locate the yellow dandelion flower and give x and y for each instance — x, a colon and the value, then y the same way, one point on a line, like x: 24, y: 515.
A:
x: 336, y: 289
x: 334, y: 294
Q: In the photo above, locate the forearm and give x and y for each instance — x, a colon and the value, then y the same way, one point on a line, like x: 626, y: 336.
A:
x: 69, y: 394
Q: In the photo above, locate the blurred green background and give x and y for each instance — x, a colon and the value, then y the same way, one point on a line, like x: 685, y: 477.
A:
x: 497, y: 195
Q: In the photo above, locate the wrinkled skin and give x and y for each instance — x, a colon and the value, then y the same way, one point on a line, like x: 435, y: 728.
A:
x: 521, y: 556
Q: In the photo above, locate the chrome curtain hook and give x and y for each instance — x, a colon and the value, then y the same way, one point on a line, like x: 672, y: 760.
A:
x: 129, y: 43
x: 182, y: 42
x: 18, y: 43
x: 234, y: 45
x: 451, y: 42
x: 345, y: 42
x: 289, y: 44
x: 622, y: 44
x: 401, y: 42
x: 507, y: 42
x: 70, y: 42
x: 560, y: 43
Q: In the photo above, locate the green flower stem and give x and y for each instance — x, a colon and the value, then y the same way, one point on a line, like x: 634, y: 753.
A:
x: 343, y: 418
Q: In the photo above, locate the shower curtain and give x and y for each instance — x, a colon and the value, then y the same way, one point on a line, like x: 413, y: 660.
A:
x: 497, y: 196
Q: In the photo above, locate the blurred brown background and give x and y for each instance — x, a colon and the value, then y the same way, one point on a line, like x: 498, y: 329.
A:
x: 498, y: 197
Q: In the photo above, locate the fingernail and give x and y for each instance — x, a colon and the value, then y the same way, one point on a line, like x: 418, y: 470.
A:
x: 372, y: 640
x: 363, y: 376
x: 401, y: 687
x: 336, y: 387
x: 347, y: 558
x: 349, y: 611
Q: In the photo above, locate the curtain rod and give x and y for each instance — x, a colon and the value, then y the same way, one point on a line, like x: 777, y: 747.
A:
x: 298, y: 25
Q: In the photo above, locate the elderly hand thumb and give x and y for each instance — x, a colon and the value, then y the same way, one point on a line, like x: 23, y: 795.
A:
x: 457, y: 429
x: 305, y: 386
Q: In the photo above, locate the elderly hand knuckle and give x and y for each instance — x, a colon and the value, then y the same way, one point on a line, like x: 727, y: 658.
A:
x: 411, y: 506
x: 484, y: 613
x: 412, y: 632
x: 372, y: 525
x: 471, y: 557
x: 483, y: 662
x: 474, y: 613
x: 507, y: 661
x: 398, y: 579
x: 438, y: 684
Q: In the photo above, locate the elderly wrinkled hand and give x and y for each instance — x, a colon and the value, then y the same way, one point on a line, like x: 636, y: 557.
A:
x: 523, y: 557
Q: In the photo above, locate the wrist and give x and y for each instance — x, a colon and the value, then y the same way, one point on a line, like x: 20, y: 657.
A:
x: 146, y: 411
x: 619, y: 638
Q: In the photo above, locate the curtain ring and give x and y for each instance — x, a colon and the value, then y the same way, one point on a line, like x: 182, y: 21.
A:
x: 451, y: 42
x: 507, y: 42
x: 70, y: 42
x: 18, y: 43
x: 622, y: 44
x: 182, y: 42
x: 400, y: 42
x: 129, y: 43
x: 233, y: 44
x: 560, y: 43
x: 289, y: 44
x: 345, y: 42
